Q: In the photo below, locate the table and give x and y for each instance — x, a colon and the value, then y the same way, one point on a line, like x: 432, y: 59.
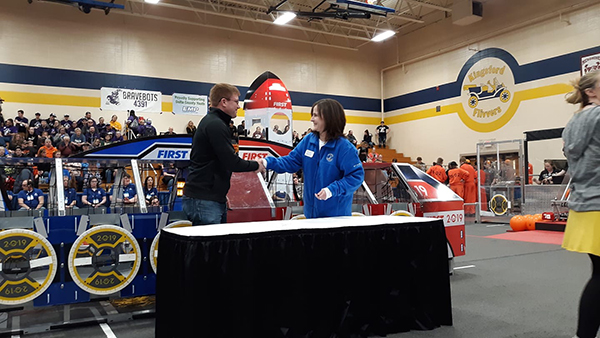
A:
x: 348, y: 276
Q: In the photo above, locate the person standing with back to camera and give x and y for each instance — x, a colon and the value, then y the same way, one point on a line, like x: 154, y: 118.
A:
x: 581, y: 139
x: 332, y: 170
x: 213, y: 159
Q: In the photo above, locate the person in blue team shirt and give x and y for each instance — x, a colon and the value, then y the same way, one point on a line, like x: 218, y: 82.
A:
x: 94, y: 196
x: 9, y: 130
x: 67, y: 124
x: 70, y: 193
x: 149, y: 190
x: 117, y: 137
x: 21, y: 122
x: 51, y: 119
x: 332, y: 169
x: 44, y: 127
x: 129, y: 192
x: 36, y: 122
x: 101, y: 127
x: 30, y: 198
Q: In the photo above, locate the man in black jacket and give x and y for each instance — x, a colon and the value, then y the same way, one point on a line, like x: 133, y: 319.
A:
x: 213, y: 159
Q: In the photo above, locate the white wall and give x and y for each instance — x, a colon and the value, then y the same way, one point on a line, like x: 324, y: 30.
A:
x: 57, y: 36
x: 446, y: 135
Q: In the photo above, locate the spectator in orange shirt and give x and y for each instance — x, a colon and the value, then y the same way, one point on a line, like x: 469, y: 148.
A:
x: 457, y: 178
x: 470, y: 186
x: 373, y: 155
x: 48, y: 148
x: 437, y: 171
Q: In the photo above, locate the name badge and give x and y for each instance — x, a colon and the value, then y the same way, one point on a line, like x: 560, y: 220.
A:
x: 309, y: 153
x: 95, y: 201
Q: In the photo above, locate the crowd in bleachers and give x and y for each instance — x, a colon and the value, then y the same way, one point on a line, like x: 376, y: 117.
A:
x: 38, y: 137
x: 49, y: 137
x: 22, y: 137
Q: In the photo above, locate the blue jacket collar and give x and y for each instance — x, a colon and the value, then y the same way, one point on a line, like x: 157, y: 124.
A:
x: 330, y: 144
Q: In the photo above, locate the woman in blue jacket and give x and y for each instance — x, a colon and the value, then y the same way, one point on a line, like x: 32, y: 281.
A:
x: 332, y: 170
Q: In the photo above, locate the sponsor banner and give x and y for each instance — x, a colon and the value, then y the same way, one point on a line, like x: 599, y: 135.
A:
x: 590, y: 63
x: 451, y: 218
x: 121, y: 99
x: 253, y: 155
x: 164, y: 153
x: 190, y: 104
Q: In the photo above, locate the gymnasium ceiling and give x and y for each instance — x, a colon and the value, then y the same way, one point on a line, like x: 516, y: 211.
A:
x: 250, y: 16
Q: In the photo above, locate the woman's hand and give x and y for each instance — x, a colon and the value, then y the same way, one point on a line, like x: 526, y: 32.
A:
x: 323, y: 194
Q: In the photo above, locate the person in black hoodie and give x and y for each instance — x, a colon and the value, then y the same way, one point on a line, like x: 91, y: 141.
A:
x: 212, y: 160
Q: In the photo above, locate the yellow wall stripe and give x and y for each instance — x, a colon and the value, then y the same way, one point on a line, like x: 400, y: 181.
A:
x: 51, y: 99
x: 87, y: 101
x: 423, y: 114
x: 527, y: 94
x: 167, y: 106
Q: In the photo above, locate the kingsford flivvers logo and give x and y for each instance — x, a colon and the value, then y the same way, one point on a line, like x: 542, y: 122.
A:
x: 486, y: 90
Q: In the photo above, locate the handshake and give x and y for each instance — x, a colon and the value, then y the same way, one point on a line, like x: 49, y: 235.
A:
x: 261, y: 166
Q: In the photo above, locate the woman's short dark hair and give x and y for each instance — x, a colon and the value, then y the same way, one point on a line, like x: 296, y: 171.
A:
x: 332, y: 113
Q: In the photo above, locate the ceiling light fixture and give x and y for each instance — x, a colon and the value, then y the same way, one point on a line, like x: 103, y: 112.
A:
x: 383, y: 35
x: 152, y: 1
x: 284, y: 18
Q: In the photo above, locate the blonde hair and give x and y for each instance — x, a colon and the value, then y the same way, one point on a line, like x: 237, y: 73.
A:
x: 220, y: 91
x: 588, y: 81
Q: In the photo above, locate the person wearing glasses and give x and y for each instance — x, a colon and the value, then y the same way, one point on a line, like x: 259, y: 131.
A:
x: 94, y: 196
x: 30, y: 198
x: 212, y: 160
x: 129, y: 196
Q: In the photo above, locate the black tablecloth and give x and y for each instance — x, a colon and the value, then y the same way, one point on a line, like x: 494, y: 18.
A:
x: 339, y: 282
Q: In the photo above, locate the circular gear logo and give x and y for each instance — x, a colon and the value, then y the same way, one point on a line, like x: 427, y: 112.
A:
x: 487, y: 90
